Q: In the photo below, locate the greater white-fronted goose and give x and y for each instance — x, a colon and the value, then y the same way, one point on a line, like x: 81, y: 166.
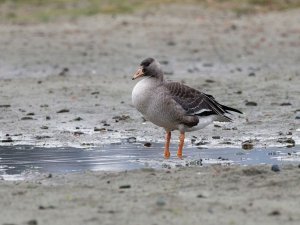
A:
x: 173, y: 105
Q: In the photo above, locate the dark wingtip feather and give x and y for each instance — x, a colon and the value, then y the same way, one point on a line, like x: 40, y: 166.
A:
x: 226, y: 108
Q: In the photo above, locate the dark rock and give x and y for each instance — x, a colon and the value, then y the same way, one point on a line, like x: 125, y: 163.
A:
x: 106, y: 124
x: 238, y: 92
x: 122, y: 117
x: 78, y: 133
x: 285, y: 104
x: 125, y: 186
x: 95, y: 93
x: 26, y: 118
x: 44, y: 127
x: 64, y: 71
x: 252, y: 74
x: 99, y: 129
x: 48, y: 118
x: 41, y: 207
x: 5, y: 106
x: 275, y: 168
x: 39, y: 137
x: 131, y: 139
x: 32, y: 222
x: 147, y: 144
x: 251, y: 104
x: 171, y: 43
x: 78, y: 119
x: 274, y: 213
x: 208, y: 65
x: 44, y: 106
x: 63, y: 111
x: 160, y: 202
x: 247, y: 145
x: 289, y: 141
x: 216, y: 137
x: 8, y: 140
x: 223, y: 159
x: 39, y: 81
x: 30, y: 114
x: 210, y: 81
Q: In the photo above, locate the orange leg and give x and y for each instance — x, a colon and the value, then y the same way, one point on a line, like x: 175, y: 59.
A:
x: 167, y: 145
x: 181, y: 143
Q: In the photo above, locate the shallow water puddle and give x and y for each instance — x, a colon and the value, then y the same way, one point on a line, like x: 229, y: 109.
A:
x: 21, y: 161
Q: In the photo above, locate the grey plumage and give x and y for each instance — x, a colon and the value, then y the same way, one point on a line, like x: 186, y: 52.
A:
x: 173, y: 105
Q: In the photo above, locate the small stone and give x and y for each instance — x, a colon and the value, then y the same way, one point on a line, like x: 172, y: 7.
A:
x: 8, y: 140
x: 32, y: 222
x: 252, y: 74
x: 210, y: 81
x: 63, y: 111
x: 26, y: 118
x: 44, y: 127
x: 274, y: 213
x: 275, y: 168
x: 285, y: 104
x: 48, y: 118
x: 131, y: 139
x: 147, y: 144
x: 160, y: 202
x: 215, y: 137
x: 291, y: 142
x: 251, y: 104
x: 44, y: 106
x: 78, y: 133
x: 208, y: 65
x: 40, y: 137
x: 5, y: 106
x: 95, y: 93
x: 126, y: 186
x: 171, y: 43
x: 78, y: 119
x: 64, y: 71
x: 247, y: 145
x: 99, y: 129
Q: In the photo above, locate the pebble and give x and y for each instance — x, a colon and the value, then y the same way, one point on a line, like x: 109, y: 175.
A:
x: 27, y: 118
x: 160, y: 202
x: 252, y: 74
x: 291, y: 142
x: 48, y: 118
x: 147, y: 144
x: 99, y: 129
x: 275, y: 168
x: 44, y: 127
x: 64, y: 71
x: 216, y: 137
x: 32, y: 222
x: 95, y: 93
x: 251, y: 104
x: 285, y: 104
x: 247, y: 145
x: 8, y: 140
x: 77, y: 119
x: 5, y: 106
x: 131, y: 139
x: 125, y: 186
x: 63, y: 111
x: 274, y: 213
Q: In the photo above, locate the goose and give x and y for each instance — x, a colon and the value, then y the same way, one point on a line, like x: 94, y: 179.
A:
x: 173, y: 105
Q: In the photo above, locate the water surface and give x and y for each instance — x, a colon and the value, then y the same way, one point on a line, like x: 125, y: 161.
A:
x: 22, y: 160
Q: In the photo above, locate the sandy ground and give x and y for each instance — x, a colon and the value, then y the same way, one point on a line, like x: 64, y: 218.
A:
x: 84, y: 68
x: 207, y: 195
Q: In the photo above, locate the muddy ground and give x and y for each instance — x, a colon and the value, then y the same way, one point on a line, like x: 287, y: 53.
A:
x: 69, y: 84
x: 85, y: 67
